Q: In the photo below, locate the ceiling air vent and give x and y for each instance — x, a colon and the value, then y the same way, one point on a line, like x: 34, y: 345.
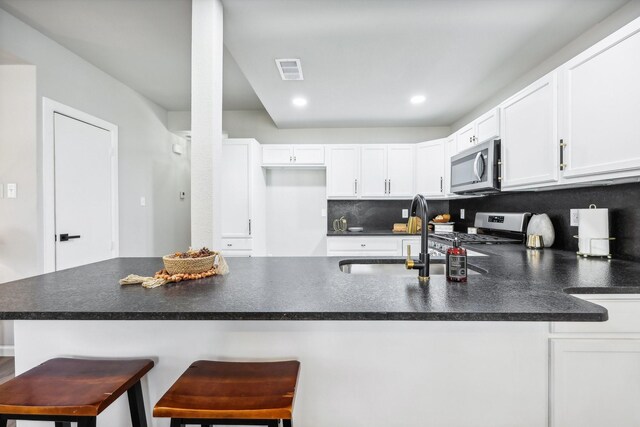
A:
x: 290, y: 69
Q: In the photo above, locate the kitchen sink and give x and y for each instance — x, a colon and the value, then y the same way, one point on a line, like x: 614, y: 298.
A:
x: 394, y: 267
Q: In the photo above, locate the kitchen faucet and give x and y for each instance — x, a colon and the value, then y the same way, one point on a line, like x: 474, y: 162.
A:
x: 419, y: 205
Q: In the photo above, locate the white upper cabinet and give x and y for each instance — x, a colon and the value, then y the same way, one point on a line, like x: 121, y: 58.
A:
x: 530, y: 145
x: 600, y: 108
x: 292, y: 155
x: 484, y: 128
x: 236, y: 198
x: 430, y: 168
x: 374, y: 171
x: 387, y: 171
x: 400, y: 168
x: 465, y: 137
x: 343, y: 171
x: 488, y: 126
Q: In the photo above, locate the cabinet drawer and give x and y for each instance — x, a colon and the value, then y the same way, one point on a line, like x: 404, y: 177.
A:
x: 236, y: 244
x: 624, y: 316
x: 359, y: 245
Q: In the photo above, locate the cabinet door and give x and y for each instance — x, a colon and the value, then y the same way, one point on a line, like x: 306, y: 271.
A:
x: 236, y: 203
x: 400, y: 167
x: 464, y: 137
x: 430, y: 168
x: 308, y: 154
x: 277, y: 154
x: 343, y: 171
x: 595, y: 382
x: 601, y: 106
x: 488, y: 126
x: 373, y: 171
x: 530, y: 146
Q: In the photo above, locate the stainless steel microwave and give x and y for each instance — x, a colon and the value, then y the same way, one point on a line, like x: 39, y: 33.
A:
x: 477, y: 169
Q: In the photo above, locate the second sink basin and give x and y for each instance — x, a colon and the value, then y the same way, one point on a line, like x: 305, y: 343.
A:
x: 394, y: 267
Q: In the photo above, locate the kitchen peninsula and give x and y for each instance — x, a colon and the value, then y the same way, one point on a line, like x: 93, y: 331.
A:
x: 365, y: 358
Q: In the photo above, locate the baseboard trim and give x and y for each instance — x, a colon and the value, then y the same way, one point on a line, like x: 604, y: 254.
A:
x: 7, y: 351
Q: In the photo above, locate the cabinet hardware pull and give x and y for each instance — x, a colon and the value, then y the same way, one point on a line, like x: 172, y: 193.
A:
x: 249, y: 227
x: 563, y: 165
x: 65, y: 237
x: 290, y: 159
x: 356, y: 185
x: 441, y: 187
x: 362, y: 245
x: 389, y: 186
x: 229, y: 244
x: 294, y: 159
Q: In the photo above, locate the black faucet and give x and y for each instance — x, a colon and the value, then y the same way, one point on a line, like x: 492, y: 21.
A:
x: 419, y: 205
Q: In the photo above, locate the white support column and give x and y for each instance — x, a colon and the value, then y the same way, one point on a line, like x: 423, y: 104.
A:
x: 206, y: 122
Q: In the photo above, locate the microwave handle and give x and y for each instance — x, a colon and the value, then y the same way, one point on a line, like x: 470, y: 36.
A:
x: 476, y: 167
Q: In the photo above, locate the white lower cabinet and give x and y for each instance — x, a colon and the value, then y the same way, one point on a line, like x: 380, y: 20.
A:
x: 595, y: 382
x: 595, y: 367
x: 384, y: 246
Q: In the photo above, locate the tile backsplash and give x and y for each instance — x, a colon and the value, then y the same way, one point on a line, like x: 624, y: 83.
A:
x: 623, y: 202
x: 375, y: 214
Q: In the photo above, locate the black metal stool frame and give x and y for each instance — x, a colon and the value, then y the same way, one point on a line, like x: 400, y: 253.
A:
x: 208, y: 422
x: 136, y: 409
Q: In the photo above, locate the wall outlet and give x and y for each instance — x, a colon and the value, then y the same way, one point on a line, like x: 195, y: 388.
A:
x: 12, y: 191
x: 575, y: 217
x: 405, y: 213
x: 143, y: 201
x: 183, y: 194
x: 461, y: 213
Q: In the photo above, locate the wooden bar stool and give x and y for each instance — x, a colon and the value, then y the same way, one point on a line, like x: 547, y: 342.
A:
x: 232, y: 393
x: 74, y: 390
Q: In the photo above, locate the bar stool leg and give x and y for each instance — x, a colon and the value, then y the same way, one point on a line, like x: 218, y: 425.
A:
x: 175, y: 422
x: 87, y: 422
x: 3, y: 422
x: 136, y: 406
x: 286, y: 423
x: 63, y: 424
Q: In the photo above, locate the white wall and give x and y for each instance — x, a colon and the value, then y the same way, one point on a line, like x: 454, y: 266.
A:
x: 295, y: 199
x: 613, y: 22
x: 258, y: 124
x: 19, y: 239
x: 147, y: 167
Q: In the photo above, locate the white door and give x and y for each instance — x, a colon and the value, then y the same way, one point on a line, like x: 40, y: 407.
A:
x: 84, y: 223
x: 374, y: 171
x: 236, y: 205
x: 488, y: 127
x: 530, y: 145
x: 465, y: 137
x: 430, y: 168
x: 595, y: 382
x: 308, y: 154
x: 277, y: 154
x: 343, y: 171
x: 400, y: 166
x: 601, y: 106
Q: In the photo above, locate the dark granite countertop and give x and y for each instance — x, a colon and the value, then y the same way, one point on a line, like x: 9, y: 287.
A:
x: 518, y: 285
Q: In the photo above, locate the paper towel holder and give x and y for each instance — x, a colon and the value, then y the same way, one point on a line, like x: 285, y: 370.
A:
x: 590, y: 241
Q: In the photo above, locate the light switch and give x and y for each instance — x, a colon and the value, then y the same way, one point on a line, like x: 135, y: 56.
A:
x: 405, y: 213
x: 143, y: 201
x: 323, y: 213
x: 12, y: 191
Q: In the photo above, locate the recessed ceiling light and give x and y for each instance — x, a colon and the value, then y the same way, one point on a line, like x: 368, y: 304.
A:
x: 417, y: 99
x: 299, y: 102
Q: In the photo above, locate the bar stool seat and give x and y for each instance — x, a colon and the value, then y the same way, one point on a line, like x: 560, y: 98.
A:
x: 229, y: 393
x: 68, y: 390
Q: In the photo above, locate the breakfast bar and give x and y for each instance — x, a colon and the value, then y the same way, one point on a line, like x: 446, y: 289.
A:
x: 374, y: 349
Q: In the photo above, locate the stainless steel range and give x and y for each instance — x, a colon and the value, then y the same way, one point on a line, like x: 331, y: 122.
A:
x: 493, y: 228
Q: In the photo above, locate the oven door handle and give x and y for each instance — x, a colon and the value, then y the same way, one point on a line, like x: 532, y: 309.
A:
x: 478, y: 167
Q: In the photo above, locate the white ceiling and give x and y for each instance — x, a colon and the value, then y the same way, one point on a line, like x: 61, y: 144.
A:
x: 362, y: 59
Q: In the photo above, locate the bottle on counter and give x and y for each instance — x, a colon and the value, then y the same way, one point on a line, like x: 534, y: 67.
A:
x: 456, y: 262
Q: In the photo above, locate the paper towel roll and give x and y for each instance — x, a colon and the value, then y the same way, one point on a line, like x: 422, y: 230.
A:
x: 593, y: 224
